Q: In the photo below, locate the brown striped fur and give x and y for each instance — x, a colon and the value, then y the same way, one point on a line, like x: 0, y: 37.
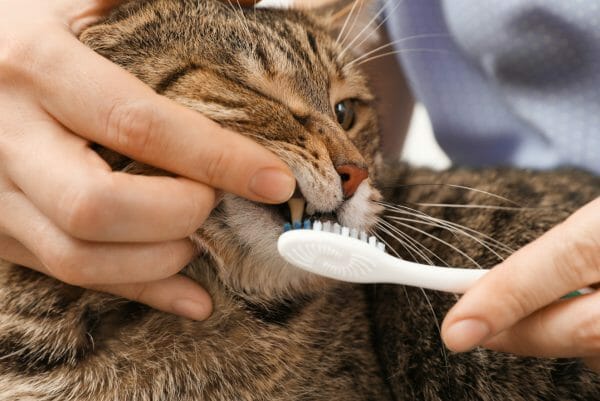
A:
x: 277, y: 333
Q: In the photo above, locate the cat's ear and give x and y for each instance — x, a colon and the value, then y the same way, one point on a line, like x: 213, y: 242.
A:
x: 354, y: 23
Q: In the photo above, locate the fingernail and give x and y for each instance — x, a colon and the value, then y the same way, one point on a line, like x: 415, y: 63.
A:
x: 273, y: 184
x: 190, y: 309
x: 466, y: 334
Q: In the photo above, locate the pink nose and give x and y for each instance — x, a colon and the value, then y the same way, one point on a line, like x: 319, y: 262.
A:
x: 351, y: 176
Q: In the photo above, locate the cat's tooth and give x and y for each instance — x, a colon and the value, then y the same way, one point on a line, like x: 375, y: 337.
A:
x: 296, y: 206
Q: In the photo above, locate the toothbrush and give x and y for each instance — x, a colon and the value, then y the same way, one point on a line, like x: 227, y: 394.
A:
x: 346, y: 254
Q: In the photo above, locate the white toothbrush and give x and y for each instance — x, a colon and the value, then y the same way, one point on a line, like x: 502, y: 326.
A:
x: 348, y: 255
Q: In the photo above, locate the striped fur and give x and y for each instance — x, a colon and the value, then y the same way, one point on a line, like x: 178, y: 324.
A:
x: 276, y: 333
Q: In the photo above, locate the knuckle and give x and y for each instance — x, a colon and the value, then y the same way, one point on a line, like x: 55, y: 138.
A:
x: 20, y: 53
x: 139, y: 292
x: 173, y: 261
x: 587, y: 333
x: 518, y: 304
x: 65, y: 263
x: 83, y: 209
x: 579, y: 256
x: 216, y: 166
x: 13, y: 54
x: 132, y: 126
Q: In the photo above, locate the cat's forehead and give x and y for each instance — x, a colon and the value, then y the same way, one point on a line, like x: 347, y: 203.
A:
x: 286, y: 54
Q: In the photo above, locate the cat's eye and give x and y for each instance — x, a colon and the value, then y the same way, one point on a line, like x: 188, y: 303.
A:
x: 344, y: 112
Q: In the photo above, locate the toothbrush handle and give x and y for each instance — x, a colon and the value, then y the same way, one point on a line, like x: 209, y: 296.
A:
x: 449, y: 279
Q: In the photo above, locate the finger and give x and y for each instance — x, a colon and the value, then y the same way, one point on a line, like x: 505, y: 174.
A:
x: 13, y: 251
x: 84, y: 263
x: 85, y: 199
x: 177, y: 294
x: 118, y: 111
x: 564, y: 259
x: 569, y: 328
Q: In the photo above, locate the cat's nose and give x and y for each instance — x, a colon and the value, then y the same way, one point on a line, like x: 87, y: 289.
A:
x: 351, y: 176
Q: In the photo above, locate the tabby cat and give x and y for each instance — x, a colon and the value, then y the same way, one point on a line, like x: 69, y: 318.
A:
x: 278, y: 333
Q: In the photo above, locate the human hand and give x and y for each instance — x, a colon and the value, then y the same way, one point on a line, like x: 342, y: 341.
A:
x: 64, y: 213
x: 513, y: 308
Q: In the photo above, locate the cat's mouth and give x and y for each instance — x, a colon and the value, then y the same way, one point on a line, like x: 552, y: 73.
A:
x: 297, y: 211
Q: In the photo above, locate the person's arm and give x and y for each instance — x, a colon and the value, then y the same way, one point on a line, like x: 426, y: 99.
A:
x: 64, y: 212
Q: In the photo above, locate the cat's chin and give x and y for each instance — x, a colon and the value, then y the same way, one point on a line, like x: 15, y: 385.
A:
x: 258, y: 274
x: 242, y: 239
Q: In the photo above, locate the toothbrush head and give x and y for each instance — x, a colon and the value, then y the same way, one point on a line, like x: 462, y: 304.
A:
x: 348, y: 255
x: 330, y: 250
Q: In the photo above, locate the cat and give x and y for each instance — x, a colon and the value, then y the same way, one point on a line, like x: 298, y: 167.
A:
x: 278, y: 333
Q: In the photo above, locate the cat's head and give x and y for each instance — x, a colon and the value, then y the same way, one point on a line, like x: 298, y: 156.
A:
x: 278, y: 76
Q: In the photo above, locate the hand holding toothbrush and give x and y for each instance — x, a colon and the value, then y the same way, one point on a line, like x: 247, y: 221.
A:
x: 514, y: 309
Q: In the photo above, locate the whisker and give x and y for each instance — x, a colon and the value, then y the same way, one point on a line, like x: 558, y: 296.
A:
x: 238, y: 11
x: 439, y: 329
x: 414, y: 242
x: 453, y: 231
x: 400, y: 51
x: 427, y: 300
x: 417, y: 243
x: 396, y: 42
x: 409, y: 248
x: 442, y: 242
x: 475, y: 206
x: 379, y: 25
x: 354, y: 3
x: 477, y: 234
x: 393, y: 250
x: 456, y: 186
x: 373, y: 19
x: 418, y: 213
x: 407, y: 244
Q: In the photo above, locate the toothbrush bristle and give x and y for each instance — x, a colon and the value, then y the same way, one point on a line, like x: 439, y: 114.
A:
x: 335, y: 228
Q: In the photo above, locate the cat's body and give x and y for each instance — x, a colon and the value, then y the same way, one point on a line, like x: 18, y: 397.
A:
x: 278, y: 333
x: 99, y: 348
x: 407, y: 335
